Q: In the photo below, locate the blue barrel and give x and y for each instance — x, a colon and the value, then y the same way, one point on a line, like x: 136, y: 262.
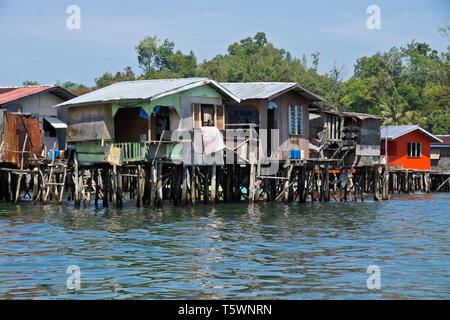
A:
x: 56, y: 154
x: 295, y: 154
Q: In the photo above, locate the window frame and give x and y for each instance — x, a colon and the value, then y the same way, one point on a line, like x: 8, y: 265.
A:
x: 298, y: 111
x: 213, y: 108
x: 414, y: 150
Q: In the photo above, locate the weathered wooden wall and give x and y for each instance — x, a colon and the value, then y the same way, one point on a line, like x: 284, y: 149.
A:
x: 288, y: 141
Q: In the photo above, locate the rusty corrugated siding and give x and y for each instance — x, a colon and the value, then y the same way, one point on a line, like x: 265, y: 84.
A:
x: 15, y: 129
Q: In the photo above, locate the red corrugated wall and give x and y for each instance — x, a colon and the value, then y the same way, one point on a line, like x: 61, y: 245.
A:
x: 15, y: 129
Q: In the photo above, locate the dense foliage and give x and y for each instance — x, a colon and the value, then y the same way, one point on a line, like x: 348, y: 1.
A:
x: 408, y: 85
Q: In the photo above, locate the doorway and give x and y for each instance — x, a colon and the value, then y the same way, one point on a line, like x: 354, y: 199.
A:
x: 130, y: 125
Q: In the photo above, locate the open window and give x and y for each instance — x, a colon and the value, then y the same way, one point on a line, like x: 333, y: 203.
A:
x: 208, y: 115
x: 160, y: 121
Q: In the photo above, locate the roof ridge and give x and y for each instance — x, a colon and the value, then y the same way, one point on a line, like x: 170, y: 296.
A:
x: 36, y: 86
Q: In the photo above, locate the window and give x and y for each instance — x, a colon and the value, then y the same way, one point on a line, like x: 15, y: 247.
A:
x: 207, y: 115
x: 295, y: 120
x: 414, y: 149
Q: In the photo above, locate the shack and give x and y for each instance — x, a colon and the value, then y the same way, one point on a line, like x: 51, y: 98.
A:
x: 138, y: 116
x: 351, y: 138
x: 38, y: 101
x: 20, y: 138
x: 440, y: 154
x: 279, y: 106
x: 408, y: 147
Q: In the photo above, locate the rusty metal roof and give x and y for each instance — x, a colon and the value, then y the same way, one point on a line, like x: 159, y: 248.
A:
x: 267, y: 90
x: 358, y: 115
x: 445, y: 141
x: 11, y: 94
x: 141, y: 90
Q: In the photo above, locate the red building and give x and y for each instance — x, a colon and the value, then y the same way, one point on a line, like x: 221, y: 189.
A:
x: 408, y: 147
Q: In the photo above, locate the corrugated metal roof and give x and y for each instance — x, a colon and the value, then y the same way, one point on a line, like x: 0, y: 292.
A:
x: 56, y: 123
x: 9, y: 94
x: 361, y: 116
x: 394, y: 132
x: 267, y: 90
x: 143, y: 90
x: 445, y: 141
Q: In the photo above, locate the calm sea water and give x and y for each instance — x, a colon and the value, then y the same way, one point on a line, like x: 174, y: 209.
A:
x: 270, y: 251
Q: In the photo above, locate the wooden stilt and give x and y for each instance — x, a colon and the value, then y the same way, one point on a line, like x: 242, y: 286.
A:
x: 153, y: 191
x: 213, y: 185
x: 119, y: 188
x: 287, y: 183
x: 114, y: 186
x: 158, y: 181
x: 138, y: 186
x: 184, y: 184
x: 385, y: 188
x: 63, y: 184
x: 193, y: 186
x: 77, y: 186
x: 427, y: 182
x: 376, y: 184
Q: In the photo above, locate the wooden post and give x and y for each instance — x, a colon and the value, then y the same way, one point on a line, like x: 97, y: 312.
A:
x: 213, y: 184
x: 157, y: 179
x: 96, y: 181
x: 63, y: 184
x: 184, y: 184
x: 105, y: 182
x: 138, y: 186
x: 35, y: 184
x: 193, y: 183
x: 205, y: 184
x: 385, y: 184
x: 251, y: 184
x: 303, y: 192
x: 153, y: 191
x: 286, y: 183
x: 407, y: 181
x: 77, y: 187
x: 312, y: 183
x: 376, y: 184
x: 114, y: 186
x: 394, y: 182
x: 88, y: 190
x: 427, y: 182
x: 119, y: 188
x: 21, y: 168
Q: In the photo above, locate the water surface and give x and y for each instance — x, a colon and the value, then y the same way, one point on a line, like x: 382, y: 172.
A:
x: 266, y: 251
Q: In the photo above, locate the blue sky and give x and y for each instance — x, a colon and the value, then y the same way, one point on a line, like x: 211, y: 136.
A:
x: 36, y: 44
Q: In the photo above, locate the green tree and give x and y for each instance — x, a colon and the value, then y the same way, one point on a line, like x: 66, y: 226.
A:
x: 30, y: 83
x: 158, y: 60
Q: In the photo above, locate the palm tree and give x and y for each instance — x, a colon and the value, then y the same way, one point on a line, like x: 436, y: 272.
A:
x: 393, y: 111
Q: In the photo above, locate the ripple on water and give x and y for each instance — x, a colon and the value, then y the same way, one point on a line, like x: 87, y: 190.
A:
x: 270, y: 251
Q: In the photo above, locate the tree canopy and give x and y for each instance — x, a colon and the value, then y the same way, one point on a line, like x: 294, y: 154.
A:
x: 405, y: 85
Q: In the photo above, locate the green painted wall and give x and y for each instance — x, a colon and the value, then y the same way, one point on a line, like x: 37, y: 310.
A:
x: 172, y: 100
x: 91, y: 146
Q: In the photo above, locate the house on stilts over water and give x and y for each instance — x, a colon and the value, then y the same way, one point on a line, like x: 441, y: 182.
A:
x: 196, y: 140
x: 31, y: 132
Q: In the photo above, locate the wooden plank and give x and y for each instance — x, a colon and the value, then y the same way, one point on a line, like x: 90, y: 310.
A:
x: 220, y: 121
x: 196, y: 116
x: 95, y: 130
